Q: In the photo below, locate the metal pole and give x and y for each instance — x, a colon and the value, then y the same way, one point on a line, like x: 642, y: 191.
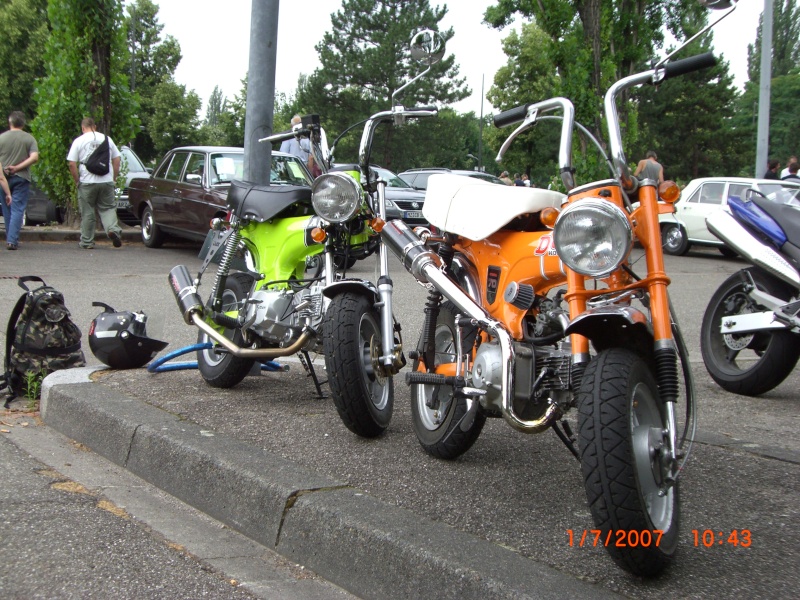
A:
x: 762, y: 144
x: 260, y: 90
x: 480, y: 129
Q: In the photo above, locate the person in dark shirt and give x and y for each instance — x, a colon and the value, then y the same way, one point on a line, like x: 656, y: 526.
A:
x: 772, y: 169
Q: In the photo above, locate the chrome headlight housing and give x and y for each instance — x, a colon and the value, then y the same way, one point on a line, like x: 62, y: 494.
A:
x: 336, y: 196
x: 593, y: 237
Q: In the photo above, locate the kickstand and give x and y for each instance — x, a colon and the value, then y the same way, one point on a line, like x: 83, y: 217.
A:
x: 309, y: 367
x: 567, y: 437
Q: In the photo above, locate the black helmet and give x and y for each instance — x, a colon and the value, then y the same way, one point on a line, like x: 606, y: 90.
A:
x: 119, y: 339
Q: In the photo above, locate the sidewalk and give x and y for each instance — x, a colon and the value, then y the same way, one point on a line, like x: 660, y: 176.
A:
x: 61, y: 233
x: 366, y: 546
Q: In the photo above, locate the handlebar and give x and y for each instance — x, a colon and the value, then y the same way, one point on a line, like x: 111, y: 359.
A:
x: 397, y: 114
x: 286, y: 135
x: 653, y: 76
x: 511, y: 116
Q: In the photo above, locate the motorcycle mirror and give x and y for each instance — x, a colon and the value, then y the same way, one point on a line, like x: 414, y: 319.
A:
x: 717, y: 4
x: 427, y: 47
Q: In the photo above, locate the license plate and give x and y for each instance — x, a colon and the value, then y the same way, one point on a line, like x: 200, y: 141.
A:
x: 124, y: 204
x: 412, y: 214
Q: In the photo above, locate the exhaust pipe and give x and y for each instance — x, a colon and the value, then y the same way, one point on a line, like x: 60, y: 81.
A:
x: 191, y: 307
x: 729, y: 230
x: 425, y: 265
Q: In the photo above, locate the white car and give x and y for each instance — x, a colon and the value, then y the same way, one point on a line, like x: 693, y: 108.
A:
x: 702, y: 197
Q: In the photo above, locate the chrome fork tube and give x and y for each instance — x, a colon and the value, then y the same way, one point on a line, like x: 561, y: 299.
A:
x: 385, y: 289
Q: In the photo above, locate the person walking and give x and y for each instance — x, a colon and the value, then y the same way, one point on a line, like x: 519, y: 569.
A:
x: 95, y: 192
x: 772, y: 169
x: 4, y: 185
x: 18, y: 151
x: 650, y: 168
x: 506, y: 179
x: 785, y: 172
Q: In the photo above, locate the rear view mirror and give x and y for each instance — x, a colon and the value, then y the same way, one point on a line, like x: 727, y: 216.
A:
x: 427, y: 47
x: 717, y: 4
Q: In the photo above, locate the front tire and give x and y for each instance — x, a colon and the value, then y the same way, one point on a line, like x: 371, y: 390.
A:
x: 220, y: 369
x: 439, y: 429
x: 621, y: 433
x: 351, y: 333
x: 746, y: 363
x: 152, y: 236
x: 675, y: 241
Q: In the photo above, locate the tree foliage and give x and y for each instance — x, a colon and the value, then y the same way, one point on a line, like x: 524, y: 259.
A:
x: 174, y: 121
x: 785, y: 41
x: 85, y: 60
x: 24, y: 34
x: 365, y: 59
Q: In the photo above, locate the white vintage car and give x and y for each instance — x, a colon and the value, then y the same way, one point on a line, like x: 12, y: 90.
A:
x: 702, y: 197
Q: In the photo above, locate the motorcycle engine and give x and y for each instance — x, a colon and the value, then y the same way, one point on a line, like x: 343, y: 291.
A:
x: 552, y: 363
x: 279, y: 316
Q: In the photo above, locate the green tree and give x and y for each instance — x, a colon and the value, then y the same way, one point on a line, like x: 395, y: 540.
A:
x: 86, y: 58
x: 597, y: 42
x: 25, y: 32
x: 153, y: 63
x: 785, y: 42
x: 231, y: 120
x: 365, y: 59
x: 174, y: 121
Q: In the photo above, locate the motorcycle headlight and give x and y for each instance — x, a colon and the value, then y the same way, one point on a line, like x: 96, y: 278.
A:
x: 593, y: 237
x: 336, y: 197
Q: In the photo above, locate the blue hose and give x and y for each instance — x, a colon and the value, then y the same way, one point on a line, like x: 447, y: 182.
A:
x: 156, y: 365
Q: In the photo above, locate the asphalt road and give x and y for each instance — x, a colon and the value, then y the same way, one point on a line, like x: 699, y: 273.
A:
x: 524, y: 492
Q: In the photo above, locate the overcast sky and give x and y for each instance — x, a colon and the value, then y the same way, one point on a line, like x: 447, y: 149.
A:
x: 215, y: 36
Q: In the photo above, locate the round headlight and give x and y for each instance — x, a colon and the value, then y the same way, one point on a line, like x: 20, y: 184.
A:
x: 336, y: 197
x: 593, y: 237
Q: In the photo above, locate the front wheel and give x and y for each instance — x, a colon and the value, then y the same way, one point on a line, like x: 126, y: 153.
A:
x: 221, y: 369
x: 746, y: 363
x: 624, y: 461
x: 438, y: 416
x: 351, y: 336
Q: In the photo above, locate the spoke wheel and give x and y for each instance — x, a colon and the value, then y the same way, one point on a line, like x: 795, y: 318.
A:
x: 624, y: 461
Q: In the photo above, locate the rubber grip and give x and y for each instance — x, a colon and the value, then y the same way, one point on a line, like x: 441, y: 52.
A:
x: 416, y: 108
x: 688, y: 65
x: 511, y: 116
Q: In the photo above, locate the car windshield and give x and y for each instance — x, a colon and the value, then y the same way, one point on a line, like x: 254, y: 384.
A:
x: 225, y: 167
x: 392, y: 180
x: 782, y: 194
x: 132, y: 161
x: 485, y: 177
x: 288, y: 170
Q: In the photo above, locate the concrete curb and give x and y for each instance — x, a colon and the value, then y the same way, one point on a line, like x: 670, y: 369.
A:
x: 366, y: 546
x: 62, y: 234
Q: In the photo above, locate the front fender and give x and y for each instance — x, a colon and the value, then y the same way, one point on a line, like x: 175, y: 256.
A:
x: 615, y: 326
x: 358, y: 286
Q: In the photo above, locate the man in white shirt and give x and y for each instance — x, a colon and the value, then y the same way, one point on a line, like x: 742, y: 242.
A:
x: 785, y: 172
x: 95, y: 191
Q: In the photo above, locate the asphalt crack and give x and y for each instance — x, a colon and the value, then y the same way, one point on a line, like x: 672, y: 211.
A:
x: 295, y: 496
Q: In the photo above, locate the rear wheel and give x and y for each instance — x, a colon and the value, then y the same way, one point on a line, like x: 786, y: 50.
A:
x: 624, y: 462
x: 351, y: 334
x: 746, y: 363
x: 436, y: 415
x: 152, y: 236
x: 221, y: 369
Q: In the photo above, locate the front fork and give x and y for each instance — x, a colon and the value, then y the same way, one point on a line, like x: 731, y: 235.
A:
x: 391, y: 358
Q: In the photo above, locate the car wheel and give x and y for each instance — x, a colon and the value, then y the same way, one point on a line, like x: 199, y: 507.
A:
x: 152, y: 236
x: 674, y: 240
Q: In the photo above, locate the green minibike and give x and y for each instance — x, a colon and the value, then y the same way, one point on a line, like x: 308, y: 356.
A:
x: 281, y: 286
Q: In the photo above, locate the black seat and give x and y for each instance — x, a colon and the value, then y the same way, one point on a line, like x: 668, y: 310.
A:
x: 787, y: 216
x: 255, y: 202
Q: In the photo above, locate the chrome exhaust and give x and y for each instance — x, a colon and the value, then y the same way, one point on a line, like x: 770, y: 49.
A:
x: 425, y: 265
x: 257, y: 353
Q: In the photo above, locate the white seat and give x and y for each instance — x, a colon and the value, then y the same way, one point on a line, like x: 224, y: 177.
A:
x: 475, y: 209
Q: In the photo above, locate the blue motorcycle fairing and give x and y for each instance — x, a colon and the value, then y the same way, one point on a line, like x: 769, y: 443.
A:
x: 751, y: 214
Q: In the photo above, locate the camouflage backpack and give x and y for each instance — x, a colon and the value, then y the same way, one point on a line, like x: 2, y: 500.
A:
x: 40, y: 339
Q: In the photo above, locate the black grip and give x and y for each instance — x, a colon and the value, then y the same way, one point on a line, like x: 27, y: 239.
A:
x: 415, y: 108
x: 688, y: 65
x: 511, y: 116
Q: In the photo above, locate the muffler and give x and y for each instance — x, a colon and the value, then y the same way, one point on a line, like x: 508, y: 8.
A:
x: 426, y: 266
x: 191, y: 307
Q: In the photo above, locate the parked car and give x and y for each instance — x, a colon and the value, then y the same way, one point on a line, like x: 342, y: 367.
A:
x: 418, y: 178
x: 134, y: 168
x: 402, y: 200
x: 189, y: 188
x: 700, y: 198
